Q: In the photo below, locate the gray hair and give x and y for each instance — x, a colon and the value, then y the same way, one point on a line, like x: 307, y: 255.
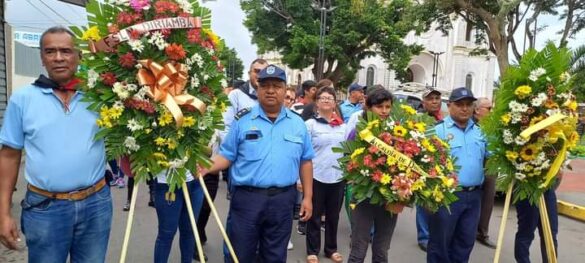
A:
x: 55, y: 30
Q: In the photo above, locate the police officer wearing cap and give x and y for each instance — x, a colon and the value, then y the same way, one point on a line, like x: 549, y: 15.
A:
x: 268, y: 146
x: 431, y: 105
x: 353, y: 102
x: 452, y: 232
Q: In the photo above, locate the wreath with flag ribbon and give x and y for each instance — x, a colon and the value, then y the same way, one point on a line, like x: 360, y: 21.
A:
x: 399, y: 161
x: 533, y: 123
x: 152, y: 72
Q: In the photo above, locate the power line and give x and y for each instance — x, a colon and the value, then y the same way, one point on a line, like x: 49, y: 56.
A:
x: 40, y: 11
x: 50, y: 8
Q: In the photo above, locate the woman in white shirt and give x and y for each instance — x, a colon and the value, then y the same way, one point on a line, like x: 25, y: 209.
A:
x: 327, y: 130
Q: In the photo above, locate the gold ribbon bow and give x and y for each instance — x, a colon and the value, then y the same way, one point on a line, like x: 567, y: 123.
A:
x: 166, y: 84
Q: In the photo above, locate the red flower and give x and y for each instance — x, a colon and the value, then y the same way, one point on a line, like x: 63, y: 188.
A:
x: 108, y: 78
x: 376, y: 176
x: 351, y: 165
x: 142, y: 105
x: 373, y: 149
x: 369, y: 161
x: 113, y: 29
x: 188, y: 107
x: 381, y: 161
x: 205, y: 90
x: 124, y: 18
x: 135, y: 34
x: 194, y: 35
x: 127, y: 60
x: 410, y: 148
x: 175, y: 52
x: 386, y: 137
x: 162, y: 7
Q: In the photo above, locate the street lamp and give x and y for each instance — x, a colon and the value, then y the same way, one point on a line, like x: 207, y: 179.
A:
x: 322, y: 32
x: 435, y: 67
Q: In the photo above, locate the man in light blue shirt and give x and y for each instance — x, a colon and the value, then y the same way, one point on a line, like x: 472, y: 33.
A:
x: 353, y: 102
x: 268, y: 146
x: 452, y: 233
x: 67, y: 211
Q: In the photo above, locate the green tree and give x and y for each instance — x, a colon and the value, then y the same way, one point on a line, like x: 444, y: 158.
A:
x: 354, y: 30
x: 497, y: 21
x: 234, y: 67
x: 578, y: 72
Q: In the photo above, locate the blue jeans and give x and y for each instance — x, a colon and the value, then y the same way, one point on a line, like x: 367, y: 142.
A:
x: 528, y: 220
x: 173, y: 214
x: 58, y: 229
x: 452, y: 235
x: 422, y: 225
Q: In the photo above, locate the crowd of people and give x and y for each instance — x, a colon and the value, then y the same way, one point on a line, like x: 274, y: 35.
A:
x: 275, y: 152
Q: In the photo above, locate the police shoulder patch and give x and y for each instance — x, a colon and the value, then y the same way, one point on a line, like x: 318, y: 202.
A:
x: 242, y: 112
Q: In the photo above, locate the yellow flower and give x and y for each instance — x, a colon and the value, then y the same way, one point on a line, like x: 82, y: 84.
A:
x: 212, y: 36
x: 417, y: 185
x: 159, y: 155
x: 439, y: 169
x: 163, y: 163
x: 528, y: 167
x: 550, y: 104
x: 535, y: 120
x: 188, y: 121
x: 390, y: 161
x: 385, y: 179
x: 92, y: 33
x: 523, y: 91
x: 171, y: 144
x: 165, y: 119
x: 147, y: 130
x: 573, y: 139
x: 352, y: 206
x: 399, y: 131
x: 408, y: 109
x: 160, y: 141
x: 357, y: 152
x: 505, y: 119
x: 420, y: 126
x: 383, y: 190
x: 529, y: 152
x: 410, y: 124
x: 438, y: 195
x: 572, y: 105
x: 115, y: 113
x: 428, y: 146
x: 447, y: 181
x: 512, y: 156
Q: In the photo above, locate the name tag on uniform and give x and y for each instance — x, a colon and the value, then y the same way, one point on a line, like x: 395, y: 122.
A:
x: 253, y: 135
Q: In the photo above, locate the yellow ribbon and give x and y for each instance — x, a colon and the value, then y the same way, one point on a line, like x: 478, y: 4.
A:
x: 558, y: 162
x: 166, y: 84
x: 369, y: 137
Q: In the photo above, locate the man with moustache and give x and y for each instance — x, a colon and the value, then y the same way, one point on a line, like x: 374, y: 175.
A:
x: 268, y: 146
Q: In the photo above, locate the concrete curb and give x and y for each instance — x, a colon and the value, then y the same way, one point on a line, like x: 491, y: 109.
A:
x: 571, y: 210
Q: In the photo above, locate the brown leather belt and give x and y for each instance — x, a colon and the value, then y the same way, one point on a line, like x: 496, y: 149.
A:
x: 72, y: 196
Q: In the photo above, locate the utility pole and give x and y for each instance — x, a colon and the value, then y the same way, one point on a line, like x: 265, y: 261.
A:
x: 435, y: 67
x: 322, y: 32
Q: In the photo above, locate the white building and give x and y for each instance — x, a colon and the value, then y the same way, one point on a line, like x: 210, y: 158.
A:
x: 455, y: 67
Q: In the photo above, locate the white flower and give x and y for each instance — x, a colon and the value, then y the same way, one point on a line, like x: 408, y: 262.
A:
x: 565, y: 77
x: 120, y: 2
x: 517, y: 107
x: 205, y: 77
x: 535, y: 74
x: 223, y: 83
x: 185, y: 5
x: 138, y: 66
x: 91, y: 58
x: 539, y: 99
x: 508, y: 140
x: 416, y: 134
x: 425, y: 159
x: 106, y: 58
x: 564, y: 95
x: 118, y: 105
x: 134, y: 125
x: 552, y: 112
x: 364, y: 172
x: 154, y: 125
x: 178, y: 163
x: 140, y: 95
x: 120, y: 90
x: 92, y: 77
x: 130, y: 144
x: 131, y: 87
x: 136, y: 45
x: 516, y: 117
x: 520, y: 176
x: 520, y: 166
x: 158, y: 40
x: 520, y: 141
x: 194, y: 81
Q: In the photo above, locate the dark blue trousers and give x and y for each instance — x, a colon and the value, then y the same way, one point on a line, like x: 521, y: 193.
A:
x: 528, y: 220
x: 260, y: 225
x: 452, y: 235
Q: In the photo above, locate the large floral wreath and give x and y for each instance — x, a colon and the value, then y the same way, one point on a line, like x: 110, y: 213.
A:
x: 399, y: 161
x: 533, y: 123
x: 152, y: 73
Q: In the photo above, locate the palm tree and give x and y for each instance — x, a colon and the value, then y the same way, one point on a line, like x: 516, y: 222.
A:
x: 578, y: 72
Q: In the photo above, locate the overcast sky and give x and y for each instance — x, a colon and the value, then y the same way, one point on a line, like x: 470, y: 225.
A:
x: 227, y: 19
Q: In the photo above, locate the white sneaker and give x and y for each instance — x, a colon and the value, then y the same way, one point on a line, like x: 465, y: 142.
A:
x: 290, y: 245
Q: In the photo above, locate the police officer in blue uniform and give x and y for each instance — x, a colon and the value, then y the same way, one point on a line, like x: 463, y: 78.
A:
x: 268, y: 146
x: 452, y: 233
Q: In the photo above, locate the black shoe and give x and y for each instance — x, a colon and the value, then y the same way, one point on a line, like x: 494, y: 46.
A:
x: 151, y: 203
x: 302, y: 228
x: 296, y: 212
x: 423, y: 246
x: 487, y: 242
x: 126, y: 206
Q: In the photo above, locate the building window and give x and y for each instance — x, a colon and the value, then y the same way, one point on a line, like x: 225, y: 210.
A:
x: 469, y: 81
x: 370, y: 76
x: 468, y: 30
x: 409, y: 75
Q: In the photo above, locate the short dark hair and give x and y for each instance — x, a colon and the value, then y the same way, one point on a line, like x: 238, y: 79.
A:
x: 258, y: 60
x: 308, y: 84
x: 324, y: 83
x: 377, y: 96
x: 55, y: 30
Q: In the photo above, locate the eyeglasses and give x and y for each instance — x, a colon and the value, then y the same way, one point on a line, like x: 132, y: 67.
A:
x: 325, y: 99
x: 256, y: 70
x: 289, y: 98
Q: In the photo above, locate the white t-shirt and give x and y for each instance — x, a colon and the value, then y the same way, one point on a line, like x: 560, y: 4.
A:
x: 161, y: 177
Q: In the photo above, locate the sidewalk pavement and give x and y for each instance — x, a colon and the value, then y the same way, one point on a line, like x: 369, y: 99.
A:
x: 571, y: 192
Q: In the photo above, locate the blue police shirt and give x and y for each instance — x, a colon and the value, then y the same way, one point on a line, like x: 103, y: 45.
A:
x: 61, y: 153
x: 238, y: 101
x: 266, y: 154
x: 468, y: 147
x: 347, y: 109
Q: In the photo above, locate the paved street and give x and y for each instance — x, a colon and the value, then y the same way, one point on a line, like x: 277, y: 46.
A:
x: 403, y: 249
